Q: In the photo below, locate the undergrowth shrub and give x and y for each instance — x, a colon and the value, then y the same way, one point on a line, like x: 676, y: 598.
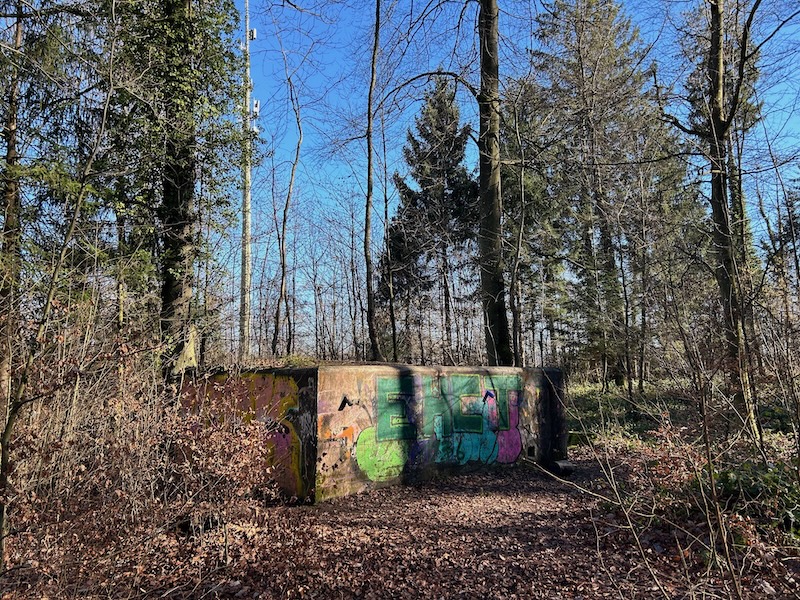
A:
x: 112, y: 474
x: 769, y: 493
x: 653, y: 453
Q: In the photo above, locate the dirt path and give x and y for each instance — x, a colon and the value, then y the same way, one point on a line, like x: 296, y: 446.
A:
x: 512, y: 533
x: 506, y: 533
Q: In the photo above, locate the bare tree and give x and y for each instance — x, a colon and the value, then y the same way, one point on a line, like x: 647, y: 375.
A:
x: 376, y: 353
x: 493, y: 289
x: 283, y: 297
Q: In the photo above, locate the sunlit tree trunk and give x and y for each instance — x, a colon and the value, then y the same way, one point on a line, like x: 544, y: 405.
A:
x: 9, y: 277
x: 283, y: 299
x: 247, y: 155
x: 10, y: 242
x: 726, y: 271
x: 375, y: 349
x: 493, y: 287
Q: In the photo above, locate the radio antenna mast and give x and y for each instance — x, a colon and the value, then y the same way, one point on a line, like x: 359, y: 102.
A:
x: 247, y: 152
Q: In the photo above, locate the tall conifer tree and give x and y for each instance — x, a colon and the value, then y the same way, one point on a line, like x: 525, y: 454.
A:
x: 435, y: 211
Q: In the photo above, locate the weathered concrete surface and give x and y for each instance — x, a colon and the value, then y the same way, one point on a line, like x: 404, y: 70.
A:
x: 348, y: 428
x: 282, y: 398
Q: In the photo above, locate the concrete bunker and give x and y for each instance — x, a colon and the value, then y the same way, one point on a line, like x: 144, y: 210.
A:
x: 344, y: 429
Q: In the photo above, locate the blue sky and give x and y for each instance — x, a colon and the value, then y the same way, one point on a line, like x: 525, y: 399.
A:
x: 326, y: 50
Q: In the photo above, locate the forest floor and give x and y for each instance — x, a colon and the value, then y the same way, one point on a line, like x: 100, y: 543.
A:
x: 507, y: 533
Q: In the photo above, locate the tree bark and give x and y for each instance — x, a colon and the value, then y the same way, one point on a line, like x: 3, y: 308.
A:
x: 10, y: 242
x: 447, y: 309
x: 283, y: 296
x: 515, y: 297
x: 726, y: 271
x: 375, y: 350
x: 389, y: 269
x: 493, y: 288
x: 247, y: 155
x: 9, y: 282
x: 178, y: 182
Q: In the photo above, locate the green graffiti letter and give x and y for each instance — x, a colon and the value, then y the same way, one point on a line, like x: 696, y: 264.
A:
x: 501, y: 385
x: 465, y: 399
x: 437, y: 413
x: 395, y: 396
x: 380, y: 461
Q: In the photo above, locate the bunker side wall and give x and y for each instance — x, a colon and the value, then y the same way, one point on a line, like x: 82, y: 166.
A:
x: 285, y: 400
x: 385, y: 424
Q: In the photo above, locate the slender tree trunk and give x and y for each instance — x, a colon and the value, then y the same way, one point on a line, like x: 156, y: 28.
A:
x: 318, y: 316
x: 407, y: 333
x: 744, y: 254
x: 282, y: 296
x: 516, y: 317
x: 447, y: 308
x: 726, y: 271
x: 122, y: 252
x: 291, y: 315
x: 9, y: 282
x: 493, y: 287
x: 389, y: 269
x: 247, y: 153
x: 375, y: 349
x: 628, y: 328
x: 354, y: 303
x: 643, y: 323
x: 461, y: 324
x: 420, y: 337
x: 10, y: 242
x: 643, y: 295
x: 598, y: 325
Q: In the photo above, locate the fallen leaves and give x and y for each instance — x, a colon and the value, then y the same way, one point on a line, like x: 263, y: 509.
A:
x: 506, y: 533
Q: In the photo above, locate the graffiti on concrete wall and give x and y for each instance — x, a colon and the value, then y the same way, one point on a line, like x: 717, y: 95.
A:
x: 455, y: 419
x: 286, y: 403
x: 342, y: 429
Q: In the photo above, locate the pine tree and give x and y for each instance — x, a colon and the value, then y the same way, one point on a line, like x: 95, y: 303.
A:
x: 435, y: 215
x: 590, y: 68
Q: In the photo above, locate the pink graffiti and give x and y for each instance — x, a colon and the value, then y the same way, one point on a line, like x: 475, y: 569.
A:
x: 509, y: 442
x: 265, y: 397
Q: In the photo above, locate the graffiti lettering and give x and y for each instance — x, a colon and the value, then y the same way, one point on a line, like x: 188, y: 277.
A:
x: 458, y: 419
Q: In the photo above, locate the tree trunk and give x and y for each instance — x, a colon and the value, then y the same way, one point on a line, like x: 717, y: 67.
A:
x: 515, y: 298
x: 726, y: 271
x: 282, y: 296
x: 643, y: 292
x: 375, y: 349
x: 353, y: 301
x: 247, y: 153
x: 10, y: 242
x: 389, y: 270
x: 178, y: 182
x: 628, y: 366
x: 447, y: 355
x: 493, y: 288
x: 9, y: 283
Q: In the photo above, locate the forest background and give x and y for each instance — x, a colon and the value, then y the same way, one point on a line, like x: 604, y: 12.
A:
x: 645, y: 240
